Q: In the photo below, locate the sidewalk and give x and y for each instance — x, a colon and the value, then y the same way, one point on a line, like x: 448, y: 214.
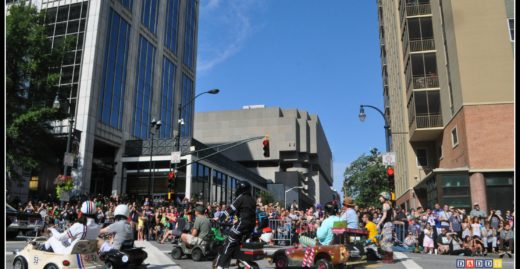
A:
x: 156, y: 258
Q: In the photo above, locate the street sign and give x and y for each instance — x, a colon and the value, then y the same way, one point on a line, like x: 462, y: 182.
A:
x: 68, y: 159
x: 389, y: 158
x: 176, y: 157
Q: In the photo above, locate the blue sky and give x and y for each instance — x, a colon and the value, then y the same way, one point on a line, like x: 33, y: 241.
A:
x: 318, y: 56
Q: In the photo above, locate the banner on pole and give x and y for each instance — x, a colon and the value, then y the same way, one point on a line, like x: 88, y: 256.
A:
x: 176, y: 157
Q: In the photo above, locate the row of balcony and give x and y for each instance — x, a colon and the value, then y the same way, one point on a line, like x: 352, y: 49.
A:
x: 415, y: 10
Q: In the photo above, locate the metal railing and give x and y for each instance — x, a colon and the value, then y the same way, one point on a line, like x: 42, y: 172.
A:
x: 414, y: 10
x: 422, y: 82
x: 422, y: 44
x: 428, y: 121
x: 399, y: 231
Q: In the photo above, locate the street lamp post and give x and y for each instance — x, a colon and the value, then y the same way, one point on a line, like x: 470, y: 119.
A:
x: 56, y: 105
x: 154, y: 127
x: 180, y: 121
x: 362, y: 117
x: 285, y: 197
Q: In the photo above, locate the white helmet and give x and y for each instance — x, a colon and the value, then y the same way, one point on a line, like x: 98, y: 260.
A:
x: 122, y: 210
x: 88, y: 208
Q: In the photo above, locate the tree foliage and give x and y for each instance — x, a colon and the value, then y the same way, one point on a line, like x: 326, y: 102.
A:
x: 365, y: 178
x: 31, y: 79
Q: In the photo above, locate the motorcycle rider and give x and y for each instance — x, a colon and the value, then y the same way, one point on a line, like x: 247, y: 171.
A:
x: 121, y: 229
x: 244, y: 206
x: 85, y: 228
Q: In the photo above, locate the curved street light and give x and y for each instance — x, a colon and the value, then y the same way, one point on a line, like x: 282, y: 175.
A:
x: 362, y: 116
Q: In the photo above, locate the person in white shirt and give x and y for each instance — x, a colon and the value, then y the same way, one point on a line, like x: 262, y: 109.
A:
x: 85, y: 229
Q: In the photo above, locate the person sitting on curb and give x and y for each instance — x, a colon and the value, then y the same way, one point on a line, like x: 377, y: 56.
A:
x: 443, y: 242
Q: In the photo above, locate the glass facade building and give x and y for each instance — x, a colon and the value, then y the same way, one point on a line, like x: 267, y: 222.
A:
x: 144, y: 88
x: 167, y: 96
x: 132, y: 61
x: 111, y: 100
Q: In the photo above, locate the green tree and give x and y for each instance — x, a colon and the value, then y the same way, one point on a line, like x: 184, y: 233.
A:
x: 31, y: 79
x: 365, y: 178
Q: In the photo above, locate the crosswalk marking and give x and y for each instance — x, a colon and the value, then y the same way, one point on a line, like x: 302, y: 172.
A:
x: 408, y: 263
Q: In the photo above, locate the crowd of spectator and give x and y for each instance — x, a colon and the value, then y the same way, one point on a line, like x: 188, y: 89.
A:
x: 441, y: 230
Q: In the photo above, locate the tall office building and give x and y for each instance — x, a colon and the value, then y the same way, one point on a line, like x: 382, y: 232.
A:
x: 132, y: 61
x: 448, y: 86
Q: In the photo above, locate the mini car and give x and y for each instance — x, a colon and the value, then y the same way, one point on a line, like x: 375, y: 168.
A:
x: 82, y: 255
x: 20, y: 222
x: 128, y: 257
x: 325, y: 257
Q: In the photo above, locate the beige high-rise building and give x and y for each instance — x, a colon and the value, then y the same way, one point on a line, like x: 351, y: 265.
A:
x: 448, y: 86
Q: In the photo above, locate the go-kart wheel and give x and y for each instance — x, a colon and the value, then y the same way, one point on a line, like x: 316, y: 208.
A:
x: 109, y: 265
x: 280, y: 261
x: 176, y: 253
x: 20, y: 263
x: 197, y: 255
x: 323, y: 264
x: 51, y: 266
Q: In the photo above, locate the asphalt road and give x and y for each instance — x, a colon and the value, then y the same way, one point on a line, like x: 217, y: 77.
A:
x: 402, y: 260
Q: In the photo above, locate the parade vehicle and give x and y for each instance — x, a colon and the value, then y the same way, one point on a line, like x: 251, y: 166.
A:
x: 82, y: 254
x: 321, y: 256
x: 21, y: 222
x: 355, y: 241
x: 207, y: 250
x: 127, y: 257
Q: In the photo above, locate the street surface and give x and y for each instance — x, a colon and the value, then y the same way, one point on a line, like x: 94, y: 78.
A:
x: 159, y: 258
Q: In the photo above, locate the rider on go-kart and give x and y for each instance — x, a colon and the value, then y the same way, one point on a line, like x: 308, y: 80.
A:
x: 244, y: 206
x: 121, y: 228
x: 85, y: 228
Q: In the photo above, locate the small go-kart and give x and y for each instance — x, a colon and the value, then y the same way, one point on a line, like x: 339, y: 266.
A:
x: 324, y: 257
x: 128, y: 257
x: 83, y: 254
x: 207, y: 250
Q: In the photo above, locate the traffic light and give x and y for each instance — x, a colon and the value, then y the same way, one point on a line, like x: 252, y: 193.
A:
x: 265, y: 144
x: 390, y: 174
x: 171, y: 181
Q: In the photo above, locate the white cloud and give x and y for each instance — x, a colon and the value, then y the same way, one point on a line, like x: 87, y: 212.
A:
x: 224, y: 28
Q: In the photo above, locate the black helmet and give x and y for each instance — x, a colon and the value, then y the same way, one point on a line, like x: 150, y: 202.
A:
x: 243, y: 187
x: 330, y: 209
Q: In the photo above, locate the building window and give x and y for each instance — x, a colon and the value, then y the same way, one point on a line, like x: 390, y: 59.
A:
x: 127, y: 4
x: 144, y: 87
x: 33, y: 184
x: 167, y: 96
x: 422, y: 157
x: 111, y: 97
x: 149, y: 15
x: 456, y: 190
x: 172, y: 24
x: 454, y: 137
x: 511, y: 23
x: 187, y: 111
x: 67, y: 21
x: 500, y: 185
x: 189, y: 34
